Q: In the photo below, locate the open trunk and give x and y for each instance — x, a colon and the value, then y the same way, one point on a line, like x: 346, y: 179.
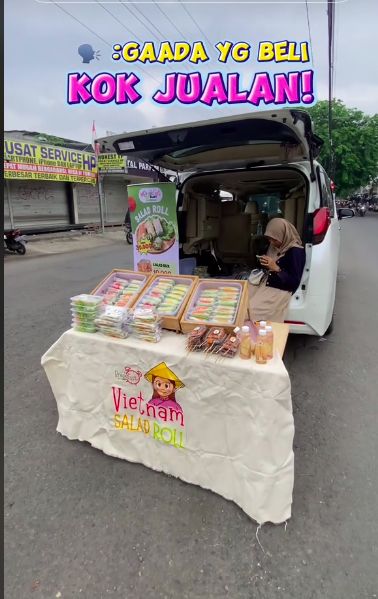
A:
x: 224, y: 214
x: 240, y: 173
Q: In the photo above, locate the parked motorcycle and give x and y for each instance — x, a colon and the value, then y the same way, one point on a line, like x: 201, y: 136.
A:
x: 15, y: 242
x: 129, y: 235
x: 127, y: 227
x: 361, y: 210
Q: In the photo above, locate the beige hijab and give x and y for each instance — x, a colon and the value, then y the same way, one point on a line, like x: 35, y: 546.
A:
x: 283, y: 231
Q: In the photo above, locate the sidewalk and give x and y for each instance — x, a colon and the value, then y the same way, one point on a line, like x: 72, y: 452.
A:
x: 70, y: 241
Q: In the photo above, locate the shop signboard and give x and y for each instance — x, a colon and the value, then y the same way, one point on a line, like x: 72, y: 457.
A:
x: 154, y: 226
x: 30, y: 160
x: 111, y: 163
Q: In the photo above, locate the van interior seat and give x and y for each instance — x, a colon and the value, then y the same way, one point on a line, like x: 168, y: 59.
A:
x: 252, y: 208
x: 230, y: 208
x: 294, y: 209
x: 235, y: 236
x: 202, y: 220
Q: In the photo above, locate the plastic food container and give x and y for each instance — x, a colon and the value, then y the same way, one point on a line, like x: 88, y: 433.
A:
x: 214, y: 303
x: 121, y: 287
x: 86, y: 301
x: 166, y: 295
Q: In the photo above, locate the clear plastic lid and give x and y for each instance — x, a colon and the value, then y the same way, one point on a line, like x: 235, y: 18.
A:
x: 86, y: 300
x: 245, y: 329
x: 269, y: 328
x: 262, y: 324
x: 263, y: 332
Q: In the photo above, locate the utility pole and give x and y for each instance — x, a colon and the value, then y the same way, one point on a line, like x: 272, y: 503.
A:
x: 7, y: 186
x: 331, y: 29
x: 100, y: 198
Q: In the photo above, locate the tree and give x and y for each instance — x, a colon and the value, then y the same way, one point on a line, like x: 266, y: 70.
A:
x: 355, y: 145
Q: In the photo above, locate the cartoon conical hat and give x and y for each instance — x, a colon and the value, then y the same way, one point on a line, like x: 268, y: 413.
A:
x: 163, y: 371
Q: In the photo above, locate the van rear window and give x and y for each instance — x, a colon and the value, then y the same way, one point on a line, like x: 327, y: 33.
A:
x: 270, y: 203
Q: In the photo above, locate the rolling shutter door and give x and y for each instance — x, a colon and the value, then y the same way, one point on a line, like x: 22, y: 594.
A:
x: 39, y: 203
x: 88, y: 203
x: 115, y: 200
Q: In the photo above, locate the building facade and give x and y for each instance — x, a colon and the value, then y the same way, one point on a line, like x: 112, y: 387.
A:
x: 47, y: 204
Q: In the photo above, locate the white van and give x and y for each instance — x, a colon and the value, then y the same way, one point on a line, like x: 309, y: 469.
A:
x: 235, y: 174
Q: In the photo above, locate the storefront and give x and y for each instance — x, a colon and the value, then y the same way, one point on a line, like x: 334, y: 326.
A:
x: 54, y: 194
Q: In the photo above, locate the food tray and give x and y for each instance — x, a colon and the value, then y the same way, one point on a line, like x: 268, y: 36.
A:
x: 126, y: 275
x: 240, y: 309
x: 169, y: 320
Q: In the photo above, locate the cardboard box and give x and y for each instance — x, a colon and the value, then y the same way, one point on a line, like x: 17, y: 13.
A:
x: 172, y: 322
x: 241, y: 311
x: 120, y: 273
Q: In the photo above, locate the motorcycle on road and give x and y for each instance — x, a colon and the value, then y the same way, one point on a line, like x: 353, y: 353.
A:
x: 361, y: 210
x: 15, y: 242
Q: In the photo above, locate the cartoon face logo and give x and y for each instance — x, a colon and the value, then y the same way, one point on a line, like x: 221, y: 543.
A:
x: 132, y: 376
x: 165, y: 383
x: 87, y: 53
x: 163, y: 387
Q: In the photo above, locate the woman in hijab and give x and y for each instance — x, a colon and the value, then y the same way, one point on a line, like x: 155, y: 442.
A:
x: 284, y: 263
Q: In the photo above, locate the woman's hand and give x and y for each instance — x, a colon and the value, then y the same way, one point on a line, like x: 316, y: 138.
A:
x: 269, y: 263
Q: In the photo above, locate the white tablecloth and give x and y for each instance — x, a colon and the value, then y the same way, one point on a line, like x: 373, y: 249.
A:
x: 230, y: 428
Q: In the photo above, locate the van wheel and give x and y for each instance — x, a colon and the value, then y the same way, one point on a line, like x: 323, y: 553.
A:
x: 330, y: 328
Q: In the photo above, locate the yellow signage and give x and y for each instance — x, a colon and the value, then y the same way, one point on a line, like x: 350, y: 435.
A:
x: 111, y: 162
x: 29, y: 160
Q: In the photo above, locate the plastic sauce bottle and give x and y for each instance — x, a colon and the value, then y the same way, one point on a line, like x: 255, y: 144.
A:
x: 245, y: 343
x: 269, y: 341
x: 261, y: 347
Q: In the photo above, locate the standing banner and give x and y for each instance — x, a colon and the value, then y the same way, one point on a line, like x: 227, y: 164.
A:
x: 154, y: 226
x: 30, y: 160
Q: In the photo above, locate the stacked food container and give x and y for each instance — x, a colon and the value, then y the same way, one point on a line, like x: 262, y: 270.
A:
x: 85, y: 309
x: 114, y: 321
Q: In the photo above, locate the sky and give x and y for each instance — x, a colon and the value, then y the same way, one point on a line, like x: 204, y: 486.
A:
x: 41, y: 47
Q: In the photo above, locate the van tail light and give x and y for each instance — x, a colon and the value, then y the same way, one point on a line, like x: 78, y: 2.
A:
x: 294, y: 322
x: 321, y: 223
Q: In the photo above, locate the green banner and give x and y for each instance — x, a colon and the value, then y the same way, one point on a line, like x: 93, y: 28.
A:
x: 154, y: 226
x: 111, y: 162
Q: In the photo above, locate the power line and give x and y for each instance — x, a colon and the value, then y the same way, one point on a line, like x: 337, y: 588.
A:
x: 127, y: 29
x: 169, y: 19
x: 118, y: 21
x: 195, y: 23
x: 184, y: 66
x: 309, y: 35
x: 81, y: 23
x: 140, y: 21
x: 96, y: 34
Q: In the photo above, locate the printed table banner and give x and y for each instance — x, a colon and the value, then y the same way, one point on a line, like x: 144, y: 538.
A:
x: 30, y: 160
x: 108, y: 163
x: 226, y: 425
x: 154, y: 226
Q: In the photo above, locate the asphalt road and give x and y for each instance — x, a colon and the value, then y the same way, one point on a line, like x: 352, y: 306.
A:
x: 81, y: 524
